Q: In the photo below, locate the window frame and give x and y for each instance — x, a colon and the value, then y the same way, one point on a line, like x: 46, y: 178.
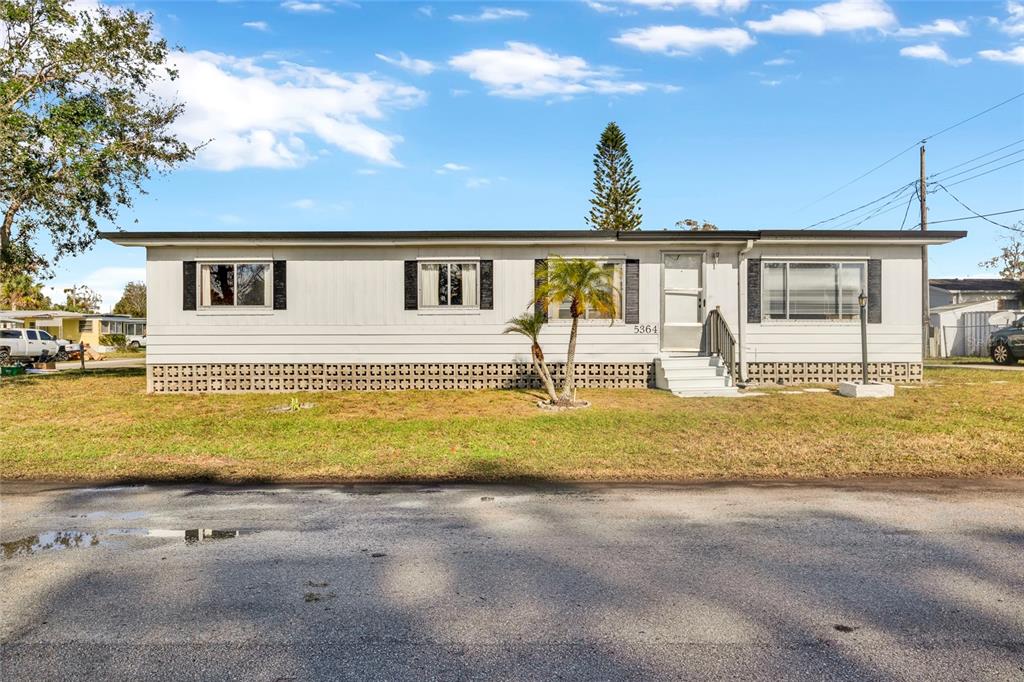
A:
x: 854, y: 318
x: 235, y: 308
x: 447, y: 307
x: 617, y: 261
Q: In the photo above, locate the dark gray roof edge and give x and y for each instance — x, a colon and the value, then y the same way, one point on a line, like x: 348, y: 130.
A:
x: 640, y: 235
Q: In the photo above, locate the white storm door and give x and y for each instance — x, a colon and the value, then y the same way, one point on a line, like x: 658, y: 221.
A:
x: 682, y: 307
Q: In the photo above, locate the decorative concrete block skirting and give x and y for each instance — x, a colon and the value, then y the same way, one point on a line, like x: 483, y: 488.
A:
x: 238, y: 377
x: 831, y: 372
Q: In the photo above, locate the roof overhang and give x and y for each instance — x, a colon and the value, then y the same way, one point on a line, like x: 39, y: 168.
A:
x: 39, y: 314
x: 522, y: 237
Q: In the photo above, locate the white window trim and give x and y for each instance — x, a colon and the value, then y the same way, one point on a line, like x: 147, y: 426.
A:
x: 618, y: 321
x: 234, y: 309
x: 787, y: 321
x: 464, y: 309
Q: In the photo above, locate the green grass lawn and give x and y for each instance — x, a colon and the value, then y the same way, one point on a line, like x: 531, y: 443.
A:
x: 101, y: 425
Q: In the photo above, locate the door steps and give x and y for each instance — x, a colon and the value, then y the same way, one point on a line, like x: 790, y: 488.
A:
x: 693, y: 376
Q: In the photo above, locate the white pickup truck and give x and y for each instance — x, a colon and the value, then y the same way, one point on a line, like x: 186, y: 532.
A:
x: 29, y: 345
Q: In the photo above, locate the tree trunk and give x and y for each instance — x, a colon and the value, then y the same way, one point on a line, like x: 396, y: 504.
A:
x: 569, y: 385
x: 545, y: 375
x: 5, y: 230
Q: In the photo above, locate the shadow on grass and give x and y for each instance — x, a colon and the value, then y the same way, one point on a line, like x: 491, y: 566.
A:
x: 75, y: 374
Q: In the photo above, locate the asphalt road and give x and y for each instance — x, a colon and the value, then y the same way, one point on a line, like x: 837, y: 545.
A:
x: 904, y: 581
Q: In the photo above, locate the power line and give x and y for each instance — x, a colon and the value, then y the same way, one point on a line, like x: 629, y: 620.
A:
x: 887, y: 207
x: 978, y: 215
x: 980, y: 165
x: 923, y: 140
x: 907, y: 212
x: 991, y: 170
x: 854, y: 210
x: 975, y: 217
x: 982, y: 156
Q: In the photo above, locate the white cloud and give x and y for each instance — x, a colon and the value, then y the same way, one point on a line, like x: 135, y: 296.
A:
x: 1013, y: 56
x: 685, y: 40
x: 702, y: 6
x: 1014, y: 23
x: 477, y: 183
x: 522, y: 70
x: 946, y: 27
x: 313, y: 7
x: 451, y: 168
x: 845, y: 15
x: 491, y: 14
x: 303, y: 204
x: 779, y: 61
x: 266, y: 116
x: 256, y: 25
x: 426, y: 10
x: 771, y: 83
x: 108, y: 282
x: 931, y: 51
x: 418, y: 66
x: 458, y: 92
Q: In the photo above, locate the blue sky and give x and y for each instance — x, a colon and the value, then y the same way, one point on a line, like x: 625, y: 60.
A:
x: 439, y: 115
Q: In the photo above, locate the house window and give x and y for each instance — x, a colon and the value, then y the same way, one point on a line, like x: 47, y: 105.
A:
x: 450, y: 284
x: 563, y: 311
x: 84, y: 326
x: 235, y: 285
x: 802, y: 290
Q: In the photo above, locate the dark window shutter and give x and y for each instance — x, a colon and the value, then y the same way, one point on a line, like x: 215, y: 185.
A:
x: 754, y: 290
x: 486, y: 285
x: 632, y: 312
x: 412, y: 289
x: 188, y: 282
x: 875, y: 291
x: 280, y: 285
x: 540, y: 276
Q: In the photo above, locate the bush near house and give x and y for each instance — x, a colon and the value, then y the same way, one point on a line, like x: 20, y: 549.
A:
x: 101, y: 425
x: 118, y: 341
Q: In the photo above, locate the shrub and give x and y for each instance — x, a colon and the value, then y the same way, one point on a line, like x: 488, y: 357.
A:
x: 116, y: 340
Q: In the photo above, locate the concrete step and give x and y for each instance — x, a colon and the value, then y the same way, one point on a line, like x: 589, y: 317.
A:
x: 693, y: 361
x: 683, y: 373
x: 702, y: 382
x: 708, y: 392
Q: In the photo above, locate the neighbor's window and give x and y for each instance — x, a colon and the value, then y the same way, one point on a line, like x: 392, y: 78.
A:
x: 811, y: 290
x: 451, y: 284
x: 111, y: 327
x: 235, y: 284
x: 564, y: 310
x: 84, y: 326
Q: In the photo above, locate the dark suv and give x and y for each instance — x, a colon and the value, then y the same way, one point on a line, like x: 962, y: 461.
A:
x: 1006, y: 345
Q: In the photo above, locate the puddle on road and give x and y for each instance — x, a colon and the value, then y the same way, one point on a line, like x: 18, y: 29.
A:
x: 57, y: 540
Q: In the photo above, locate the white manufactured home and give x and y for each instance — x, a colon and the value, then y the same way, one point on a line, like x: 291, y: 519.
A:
x: 240, y: 311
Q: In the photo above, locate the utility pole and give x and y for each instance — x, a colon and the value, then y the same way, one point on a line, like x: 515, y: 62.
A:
x: 926, y: 323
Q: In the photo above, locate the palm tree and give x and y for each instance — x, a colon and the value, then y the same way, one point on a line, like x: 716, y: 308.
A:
x: 530, y: 325
x: 587, y: 285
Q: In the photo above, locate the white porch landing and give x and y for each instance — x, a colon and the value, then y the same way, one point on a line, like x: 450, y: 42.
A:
x: 693, y: 376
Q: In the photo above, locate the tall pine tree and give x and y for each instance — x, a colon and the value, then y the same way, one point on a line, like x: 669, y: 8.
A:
x: 616, y: 202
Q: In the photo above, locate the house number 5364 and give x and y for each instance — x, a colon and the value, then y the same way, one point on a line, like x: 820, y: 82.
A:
x: 645, y: 329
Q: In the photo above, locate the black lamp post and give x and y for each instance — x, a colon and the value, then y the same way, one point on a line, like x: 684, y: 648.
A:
x: 862, y: 300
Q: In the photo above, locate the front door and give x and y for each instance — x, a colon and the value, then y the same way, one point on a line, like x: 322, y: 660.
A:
x: 682, y: 306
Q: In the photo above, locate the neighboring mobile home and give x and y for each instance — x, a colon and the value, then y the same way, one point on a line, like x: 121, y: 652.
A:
x: 233, y: 311
x: 75, y: 327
